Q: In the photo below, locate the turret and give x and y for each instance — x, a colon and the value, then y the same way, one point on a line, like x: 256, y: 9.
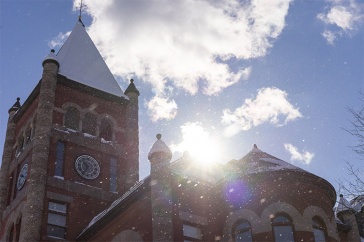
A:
x: 132, y: 136
x: 6, y: 159
x: 161, y: 194
x: 33, y: 212
x: 346, y: 214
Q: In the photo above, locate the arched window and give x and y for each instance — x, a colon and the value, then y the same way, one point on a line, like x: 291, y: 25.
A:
x: 282, y: 228
x: 72, y: 118
x: 89, y: 124
x: 319, y: 230
x: 242, y: 231
x: 105, y: 129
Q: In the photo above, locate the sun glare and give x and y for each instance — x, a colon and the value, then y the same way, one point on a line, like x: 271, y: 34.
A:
x: 203, y: 148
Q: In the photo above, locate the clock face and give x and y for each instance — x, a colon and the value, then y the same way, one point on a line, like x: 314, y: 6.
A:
x: 87, y: 167
x: 22, y: 177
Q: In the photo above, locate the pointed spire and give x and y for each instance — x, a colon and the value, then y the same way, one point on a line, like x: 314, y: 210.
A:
x: 160, y: 148
x: 51, y: 57
x: 131, y: 88
x: 81, y: 62
x: 15, y: 106
x: 343, y: 205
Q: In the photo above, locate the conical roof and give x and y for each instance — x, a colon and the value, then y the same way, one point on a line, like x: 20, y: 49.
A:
x: 257, y: 161
x: 80, y: 61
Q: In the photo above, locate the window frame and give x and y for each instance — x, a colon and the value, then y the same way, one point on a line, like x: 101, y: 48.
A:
x: 243, y: 230
x: 58, y: 213
x: 188, y: 238
x: 321, y: 227
x: 288, y: 223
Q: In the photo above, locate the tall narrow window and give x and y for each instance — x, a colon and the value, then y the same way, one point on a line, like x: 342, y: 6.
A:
x: 191, y: 233
x: 89, y: 124
x: 59, y: 159
x: 11, y: 233
x: 113, y: 173
x: 28, y: 134
x: 57, y: 220
x: 17, y: 227
x: 20, y: 145
x: 105, y: 130
x: 282, y: 229
x: 318, y: 230
x: 72, y: 118
x: 242, y: 231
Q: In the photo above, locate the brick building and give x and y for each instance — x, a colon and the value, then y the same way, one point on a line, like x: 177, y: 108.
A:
x: 70, y: 173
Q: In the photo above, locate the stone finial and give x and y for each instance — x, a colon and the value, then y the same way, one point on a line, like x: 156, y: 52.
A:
x: 160, y: 150
x: 51, y: 57
x: 131, y: 88
x: 255, y: 148
x: 15, y: 106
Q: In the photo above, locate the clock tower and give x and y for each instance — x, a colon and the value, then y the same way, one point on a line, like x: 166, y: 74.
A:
x: 71, y: 149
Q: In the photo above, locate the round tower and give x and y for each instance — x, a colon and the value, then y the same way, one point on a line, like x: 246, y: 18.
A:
x: 33, y: 211
x: 161, y: 194
x: 6, y: 159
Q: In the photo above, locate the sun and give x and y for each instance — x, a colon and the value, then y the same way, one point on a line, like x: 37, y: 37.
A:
x: 201, y: 146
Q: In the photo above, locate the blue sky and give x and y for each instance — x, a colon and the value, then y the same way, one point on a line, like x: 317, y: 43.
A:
x: 215, y: 77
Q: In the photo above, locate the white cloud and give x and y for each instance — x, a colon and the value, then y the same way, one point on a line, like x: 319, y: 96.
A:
x: 329, y: 36
x: 187, y: 43
x: 161, y: 107
x: 344, y: 17
x: 270, y: 105
x: 304, y: 156
x: 59, y: 40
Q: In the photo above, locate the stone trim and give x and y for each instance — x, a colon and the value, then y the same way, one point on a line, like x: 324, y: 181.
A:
x: 82, y: 189
x: 59, y: 197
x: 192, y: 218
x: 262, y: 224
x: 330, y: 223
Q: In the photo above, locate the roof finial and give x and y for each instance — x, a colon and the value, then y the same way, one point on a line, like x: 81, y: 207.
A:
x: 159, y: 136
x: 80, y: 16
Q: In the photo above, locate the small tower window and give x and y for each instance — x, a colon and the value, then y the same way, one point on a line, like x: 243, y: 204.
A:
x: 319, y: 230
x: 20, y: 145
x: 282, y: 229
x: 28, y: 134
x: 105, y: 130
x: 242, y: 231
x: 59, y: 159
x: 72, y: 118
x: 89, y: 124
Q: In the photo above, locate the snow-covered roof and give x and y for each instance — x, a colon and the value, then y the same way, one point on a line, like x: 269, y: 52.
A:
x: 159, y: 147
x: 357, y: 203
x: 80, y: 61
x: 118, y: 201
x: 257, y: 161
